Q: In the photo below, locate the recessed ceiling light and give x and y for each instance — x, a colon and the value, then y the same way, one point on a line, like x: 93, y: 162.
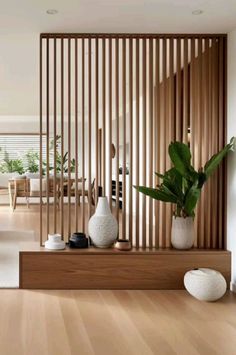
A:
x: 52, y: 12
x: 197, y: 12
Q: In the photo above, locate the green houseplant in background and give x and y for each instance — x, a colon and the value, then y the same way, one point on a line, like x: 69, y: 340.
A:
x: 32, y: 158
x: 60, y: 161
x: 8, y: 165
x: 181, y: 186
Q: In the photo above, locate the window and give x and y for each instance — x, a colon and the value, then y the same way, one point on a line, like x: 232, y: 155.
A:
x: 17, y: 152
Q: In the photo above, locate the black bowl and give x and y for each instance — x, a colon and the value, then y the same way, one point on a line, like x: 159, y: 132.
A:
x: 78, y: 240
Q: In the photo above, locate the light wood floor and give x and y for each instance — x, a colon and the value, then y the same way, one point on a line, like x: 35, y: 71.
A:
x: 115, y: 323
x: 29, y: 218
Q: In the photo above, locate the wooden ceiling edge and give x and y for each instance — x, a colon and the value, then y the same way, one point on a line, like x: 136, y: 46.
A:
x: 132, y: 35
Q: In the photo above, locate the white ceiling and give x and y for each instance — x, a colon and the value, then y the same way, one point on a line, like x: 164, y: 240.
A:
x: 27, y: 16
x: 22, y: 21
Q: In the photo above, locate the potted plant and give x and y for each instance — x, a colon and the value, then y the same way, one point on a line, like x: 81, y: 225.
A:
x: 60, y: 161
x: 8, y: 165
x: 32, y: 159
x: 181, y: 186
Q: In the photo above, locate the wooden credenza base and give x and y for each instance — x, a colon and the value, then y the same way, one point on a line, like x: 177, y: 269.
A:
x: 111, y: 269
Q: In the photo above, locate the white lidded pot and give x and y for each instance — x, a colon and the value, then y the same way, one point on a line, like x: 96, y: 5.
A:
x: 102, y: 226
x: 182, y: 232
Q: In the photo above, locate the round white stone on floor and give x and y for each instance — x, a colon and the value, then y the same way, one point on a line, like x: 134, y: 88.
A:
x: 205, y: 284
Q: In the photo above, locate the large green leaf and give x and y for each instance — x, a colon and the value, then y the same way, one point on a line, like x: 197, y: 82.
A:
x: 192, y: 199
x: 157, y: 194
x: 161, y: 176
x: 174, y: 182
x: 216, y: 159
x: 181, y: 158
x: 201, y: 179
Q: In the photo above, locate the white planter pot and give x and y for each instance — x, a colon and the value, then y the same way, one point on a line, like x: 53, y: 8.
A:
x: 102, y: 226
x: 32, y: 175
x: 182, y: 233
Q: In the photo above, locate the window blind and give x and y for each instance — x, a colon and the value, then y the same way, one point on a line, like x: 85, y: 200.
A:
x: 17, y: 146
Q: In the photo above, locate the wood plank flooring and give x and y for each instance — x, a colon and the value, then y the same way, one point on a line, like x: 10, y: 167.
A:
x: 115, y: 323
x: 28, y: 218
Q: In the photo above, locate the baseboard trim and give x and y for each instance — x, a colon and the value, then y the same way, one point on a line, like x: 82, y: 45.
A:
x: 233, y: 286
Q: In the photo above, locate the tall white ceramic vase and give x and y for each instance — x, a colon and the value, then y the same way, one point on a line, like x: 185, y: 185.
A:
x: 182, y: 232
x: 102, y: 226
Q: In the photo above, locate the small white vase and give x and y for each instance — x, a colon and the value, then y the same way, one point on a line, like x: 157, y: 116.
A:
x: 102, y: 226
x: 182, y: 232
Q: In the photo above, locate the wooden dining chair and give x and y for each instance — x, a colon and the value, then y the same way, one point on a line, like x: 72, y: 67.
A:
x: 86, y: 193
x: 19, y: 188
x: 54, y: 189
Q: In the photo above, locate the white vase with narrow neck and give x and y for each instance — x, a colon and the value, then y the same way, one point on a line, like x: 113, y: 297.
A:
x: 182, y: 232
x: 102, y: 226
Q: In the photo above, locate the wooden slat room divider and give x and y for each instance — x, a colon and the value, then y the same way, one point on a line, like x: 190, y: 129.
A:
x: 110, y: 105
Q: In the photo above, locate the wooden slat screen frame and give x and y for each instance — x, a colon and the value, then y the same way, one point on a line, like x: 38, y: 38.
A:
x: 163, y: 98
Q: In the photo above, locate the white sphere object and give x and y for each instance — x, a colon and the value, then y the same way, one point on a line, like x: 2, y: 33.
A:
x: 102, y: 226
x: 205, y: 284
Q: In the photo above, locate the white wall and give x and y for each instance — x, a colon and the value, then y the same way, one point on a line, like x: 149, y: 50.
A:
x: 231, y: 130
x: 19, y: 73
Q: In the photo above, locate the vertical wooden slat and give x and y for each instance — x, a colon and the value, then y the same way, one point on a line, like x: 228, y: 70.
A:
x: 55, y: 135
x: 117, y: 133
x: 222, y: 117
x: 96, y: 116
x: 41, y: 135
x: 214, y: 140
x: 124, y: 139
x: 110, y: 122
x: 170, y: 129
x: 211, y: 141
x: 62, y: 139
x: 76, y: 135
x: 223, y: 123
x: 47, y: 135
x: 69, y: 138
x: 131, y: 139
x: 192, y: 97
x: 157, y: 137
x: 163, y: 138
x: 185, y: 93
x: 206, y: 135
x: 89, y: 125
x: 104, y: 116
x: 218, y: 213
x: 209, y: 78
x: 196, y: 132
x: 83, y: 135
x: 200, y: 141
x: 144, y: 157
x: 178, y: 90
x: 193, y: 113
x: 171, y: 133
x: 150, y: 140
x: 137, y: 143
